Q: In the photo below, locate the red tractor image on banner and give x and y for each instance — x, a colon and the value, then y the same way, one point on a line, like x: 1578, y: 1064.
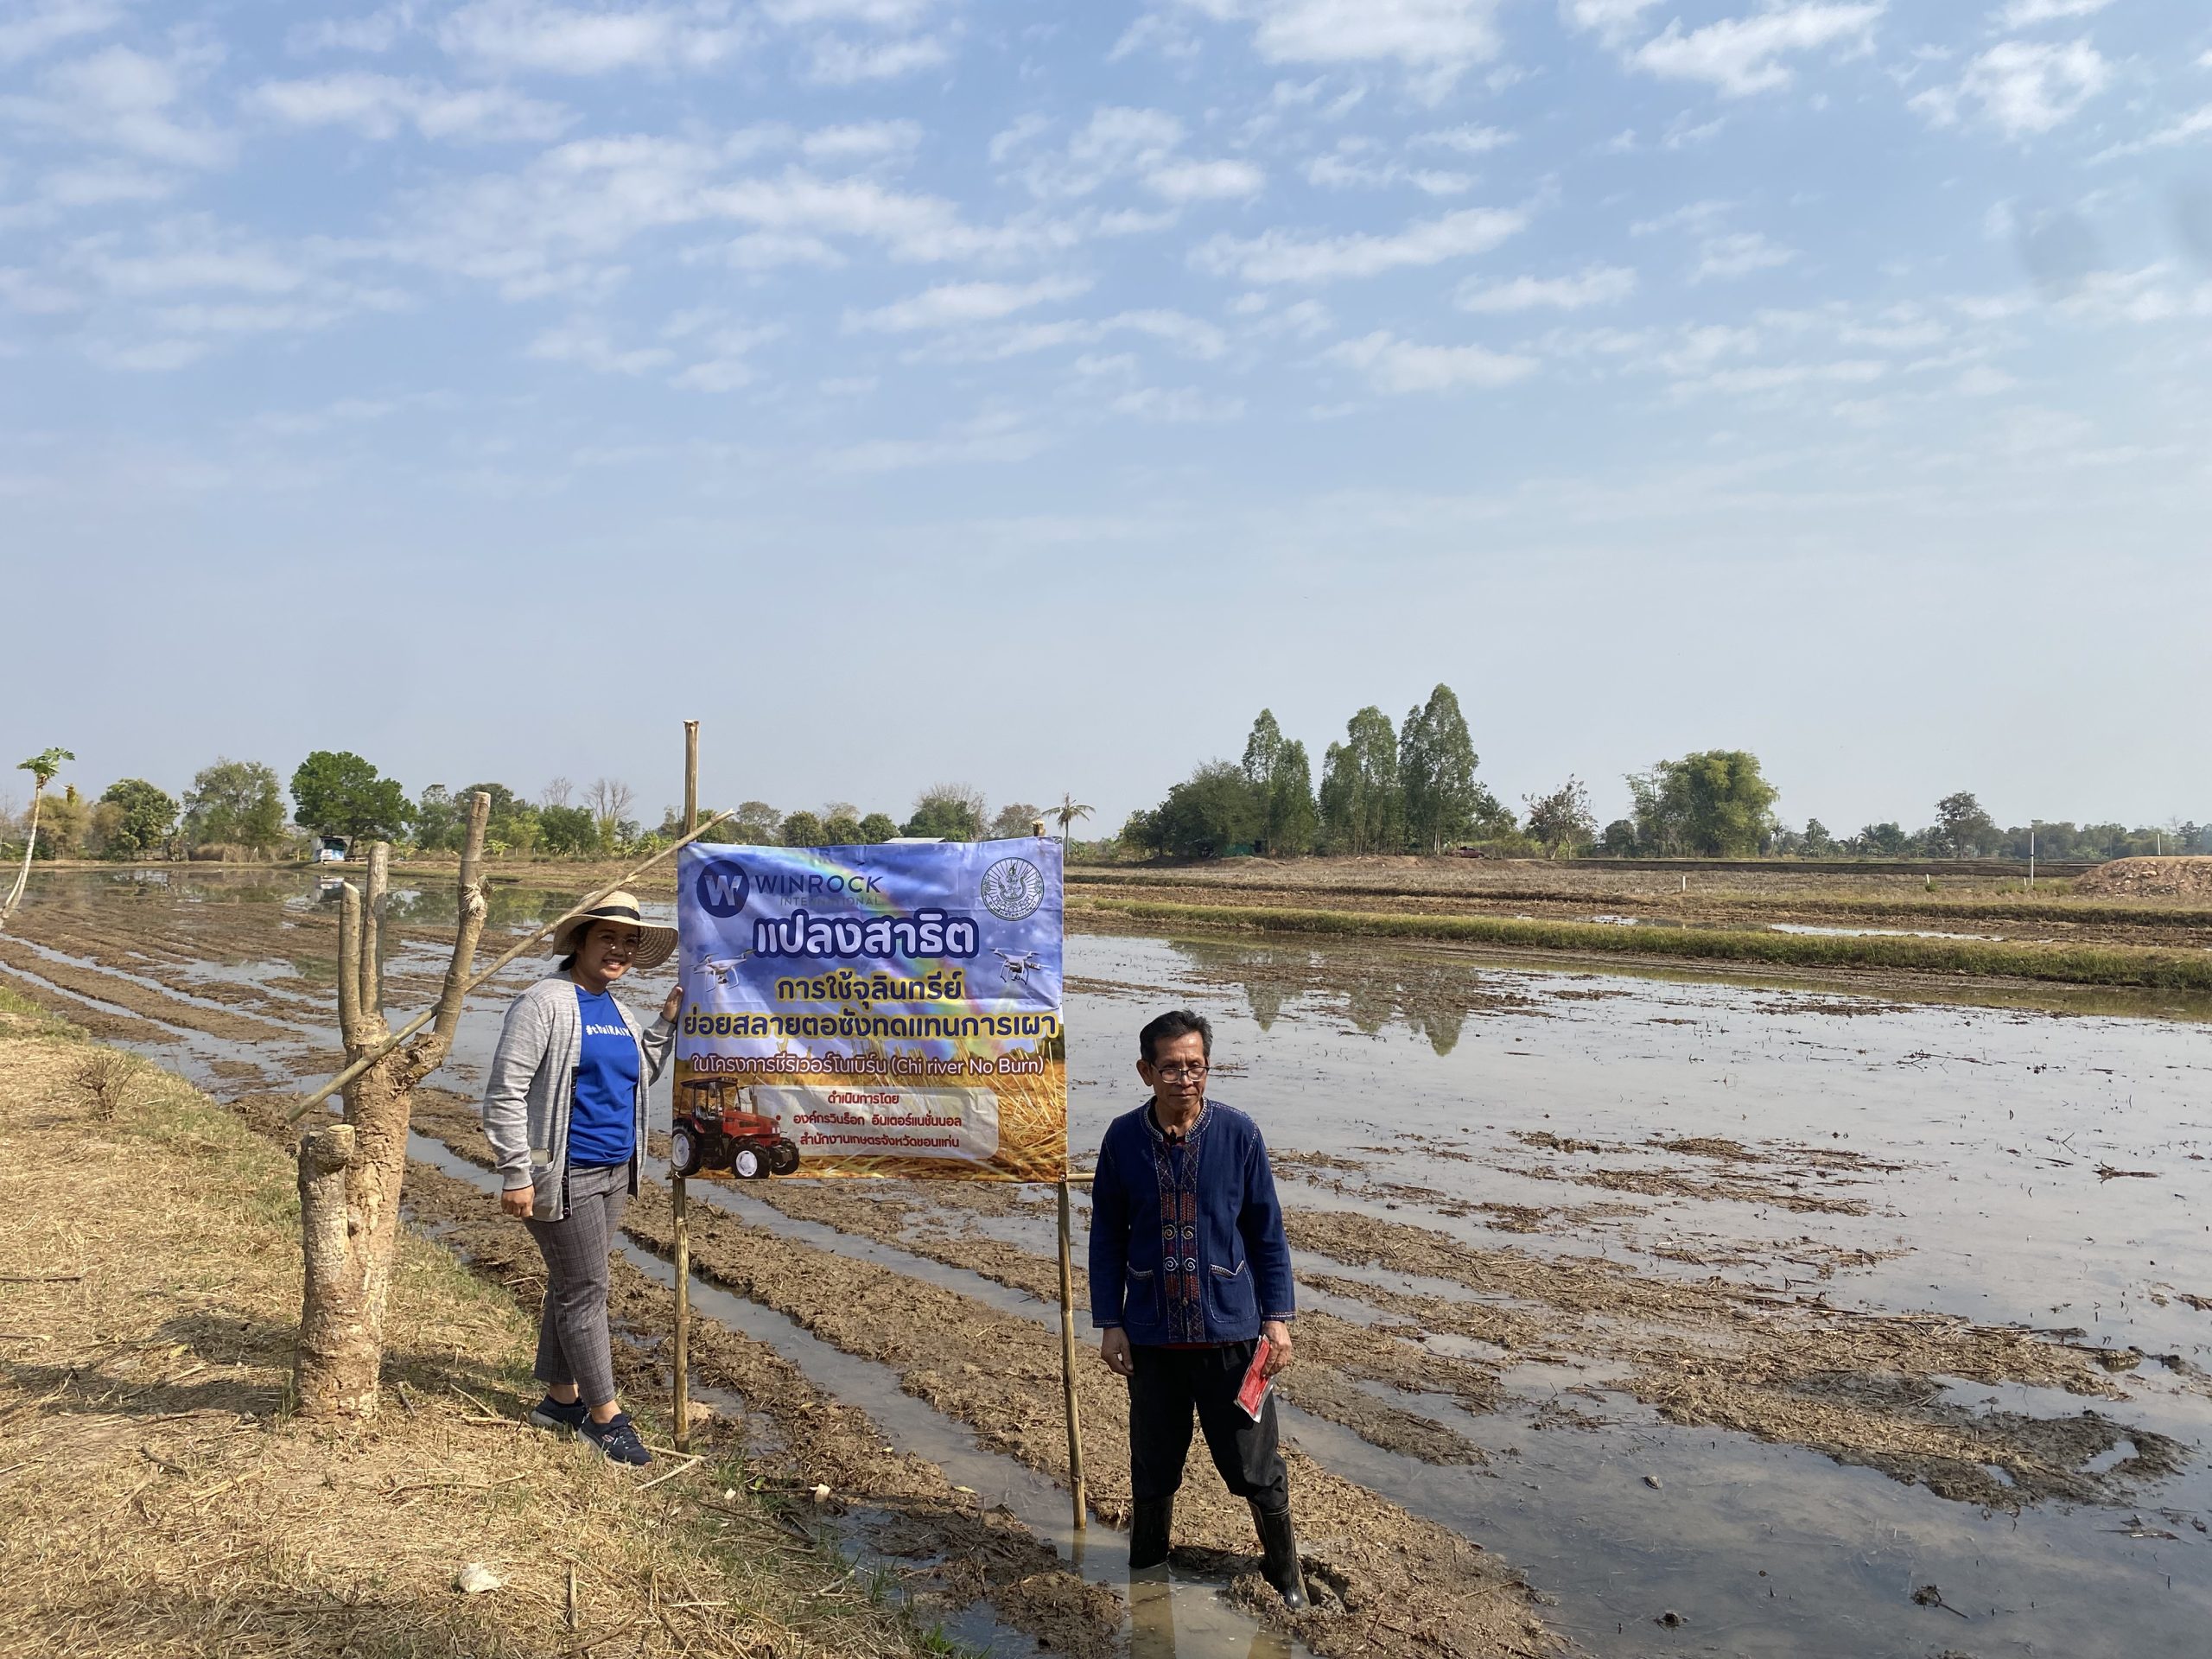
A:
x: 714, y: 1130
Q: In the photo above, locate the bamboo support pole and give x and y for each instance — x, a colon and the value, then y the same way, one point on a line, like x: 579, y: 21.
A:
x: 679, y: 1199
x: 1067, y: 1365
x: 391, y: 1044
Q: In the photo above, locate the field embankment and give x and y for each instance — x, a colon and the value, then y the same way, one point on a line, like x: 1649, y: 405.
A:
x: 2073, y: 965
x: 162, y: 1500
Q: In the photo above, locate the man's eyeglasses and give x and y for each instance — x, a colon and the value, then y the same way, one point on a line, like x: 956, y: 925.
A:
x: 1177, y: 1071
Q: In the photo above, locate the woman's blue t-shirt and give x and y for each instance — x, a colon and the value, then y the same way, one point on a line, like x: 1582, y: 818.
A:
x: 603, y: 1125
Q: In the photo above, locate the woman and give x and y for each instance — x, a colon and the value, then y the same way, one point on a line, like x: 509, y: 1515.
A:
x: 565, y: 1112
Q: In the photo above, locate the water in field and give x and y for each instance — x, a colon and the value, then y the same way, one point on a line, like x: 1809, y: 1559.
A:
x: 2040, y: 1161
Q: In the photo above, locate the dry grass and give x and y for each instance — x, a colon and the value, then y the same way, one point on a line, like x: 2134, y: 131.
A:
x: 162, y: 1500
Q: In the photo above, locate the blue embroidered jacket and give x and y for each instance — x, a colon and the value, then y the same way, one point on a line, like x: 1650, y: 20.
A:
x: 1186, y: 1241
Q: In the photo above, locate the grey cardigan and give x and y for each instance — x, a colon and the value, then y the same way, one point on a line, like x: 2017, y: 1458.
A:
x: 527, y: 1097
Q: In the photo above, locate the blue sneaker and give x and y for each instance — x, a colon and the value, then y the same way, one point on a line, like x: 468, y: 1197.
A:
x: 617, y: 1440
x: 550, y: 1413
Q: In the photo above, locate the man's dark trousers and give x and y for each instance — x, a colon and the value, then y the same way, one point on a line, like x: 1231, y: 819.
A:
x: 1169, y: 1384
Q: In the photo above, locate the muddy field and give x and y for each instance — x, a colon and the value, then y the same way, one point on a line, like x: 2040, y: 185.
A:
x: 1642, y: 1315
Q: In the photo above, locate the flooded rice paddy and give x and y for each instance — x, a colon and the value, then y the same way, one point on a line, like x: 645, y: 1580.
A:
x: 1650, y: 1315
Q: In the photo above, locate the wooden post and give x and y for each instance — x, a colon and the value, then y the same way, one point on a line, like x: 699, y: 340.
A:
x: 680, y: 1201
x: 1067, y: 1367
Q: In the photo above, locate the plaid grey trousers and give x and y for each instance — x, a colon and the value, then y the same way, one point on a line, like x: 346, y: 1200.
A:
x: 572, y: 1342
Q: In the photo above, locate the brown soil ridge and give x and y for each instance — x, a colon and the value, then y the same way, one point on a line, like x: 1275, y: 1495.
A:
x: 1368, y: 1555
x: 2150, y: 878
x: 1439, y: 1590
x: 104, y: 1024
x: 984, y: 1555
x: 142, y: 1001
x: 1858, y: 1386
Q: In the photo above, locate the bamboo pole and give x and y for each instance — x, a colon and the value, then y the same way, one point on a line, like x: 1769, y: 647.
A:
x: 1067, y: 1365
x: 679, y: 1200
x: 391, y: 1043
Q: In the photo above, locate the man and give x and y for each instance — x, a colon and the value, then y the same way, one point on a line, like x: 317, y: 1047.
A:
x: 1189, y: 1269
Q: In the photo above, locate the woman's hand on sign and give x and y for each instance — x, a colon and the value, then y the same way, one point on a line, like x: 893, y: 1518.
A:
x: 520, y: 1202
x: 1114, y: 1349
x: 674, y: 1004
x: 1278, y: 1346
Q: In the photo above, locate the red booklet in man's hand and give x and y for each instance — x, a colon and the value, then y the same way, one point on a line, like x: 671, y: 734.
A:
x: 1253, y: 1394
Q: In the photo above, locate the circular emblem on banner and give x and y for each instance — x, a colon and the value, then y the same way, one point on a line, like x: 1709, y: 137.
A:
x: 1013, y: 888
x: 722, y: 888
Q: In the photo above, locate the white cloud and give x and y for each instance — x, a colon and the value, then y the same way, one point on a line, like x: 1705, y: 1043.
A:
x: 1739, y: 253
x: 122, y: 99
x: 952, y: 304
x: 1000, y: 438
x: 1427, y: 35
x: 2195, y: 125
x: 1191, y: 336
x: 1593, y: 285
x: 1468, y: 140
x: 36, y: 27
x: 862, y: 141
x: 152, y: 356
x: 1742, y: 55
x: 881, y: 14
x: 377, y: 106
x: 575, y: 41
x: 1206, y: 180
x: 1179, y: 405
x: 1343, y: 169
x: 1611, y: 20
x: 1280, y: 255
x: 378, y: 31
x: 586, y: 344
x: 2021, y: 88
x: 2026, y: 14
x: 842, y: 63
x: 1395, y: 365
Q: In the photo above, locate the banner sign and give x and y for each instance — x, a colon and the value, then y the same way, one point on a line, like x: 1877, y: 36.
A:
x: 891, y: 1011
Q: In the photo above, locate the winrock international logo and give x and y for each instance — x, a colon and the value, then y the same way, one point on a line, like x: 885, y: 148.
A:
x: 721, y: 889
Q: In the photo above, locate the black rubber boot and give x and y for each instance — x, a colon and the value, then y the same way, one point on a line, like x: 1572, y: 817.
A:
x: 1150, y: 1520
x: 1279, y: 1553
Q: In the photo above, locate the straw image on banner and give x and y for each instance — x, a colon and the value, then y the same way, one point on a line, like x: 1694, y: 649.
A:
x: 872, y: 1010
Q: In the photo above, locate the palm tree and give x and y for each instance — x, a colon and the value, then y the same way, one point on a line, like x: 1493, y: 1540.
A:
x: 1068, y: 811
x: 41, y: 768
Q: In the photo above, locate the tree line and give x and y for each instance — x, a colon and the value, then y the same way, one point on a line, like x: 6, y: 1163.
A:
x: 1413, y: 789
x: 242, y: 810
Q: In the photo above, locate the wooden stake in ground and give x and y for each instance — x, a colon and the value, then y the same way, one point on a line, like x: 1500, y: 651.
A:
x: 350, y: 1173
x: 680, y: 1201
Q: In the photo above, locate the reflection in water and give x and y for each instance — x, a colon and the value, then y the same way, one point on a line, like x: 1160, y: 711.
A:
x: 1433, y: 998
x: 1151, y: 1624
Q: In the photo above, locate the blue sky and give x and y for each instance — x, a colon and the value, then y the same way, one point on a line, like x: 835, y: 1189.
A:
x: 1027, y: 393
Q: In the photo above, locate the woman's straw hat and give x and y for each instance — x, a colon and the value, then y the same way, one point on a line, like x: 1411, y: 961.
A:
x: 657, y: 946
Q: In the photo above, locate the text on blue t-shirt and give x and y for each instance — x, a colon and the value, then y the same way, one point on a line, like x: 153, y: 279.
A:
x: 603, y: 1124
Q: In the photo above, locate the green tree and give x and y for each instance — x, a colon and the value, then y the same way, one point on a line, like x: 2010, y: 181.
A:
x: 1886, y: 840
x: 1281, y: 780
x: 1619, y: 839
x: 41, y: 767
x: 950, y: 811
x: 1015, y: 819
x: 1070, y: 812
x: 433, y: 818
x: 1716, y: 804
x: 1436, y: 773
x: 1818, y: 843
x: 1292, y: 823
x: 1362, y: 808
x: 1208, y: 812
x: 67, y: 822
x: 141, y: 820
x: 842, y: 830
x: 235, y: 803
x: 1963, y: 829
x: 1141, y: 832
x: 511, y: 826
x: 804, y: 830
x: 1562, y: 822
x: 567, y: 831
x: 877, y: 828
x: 335, y: 792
